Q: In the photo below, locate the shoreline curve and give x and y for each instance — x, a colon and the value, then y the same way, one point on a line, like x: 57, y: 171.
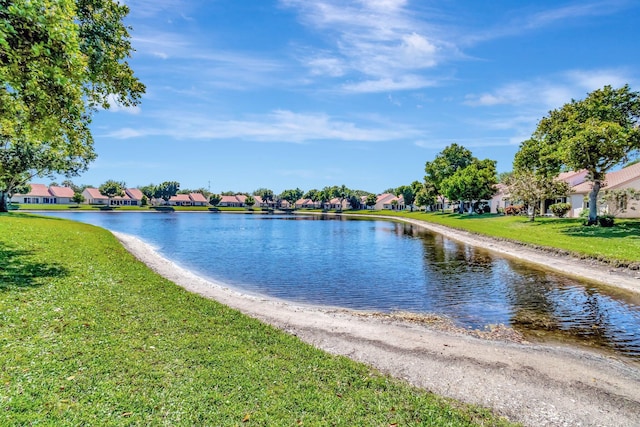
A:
x: 537, y: 385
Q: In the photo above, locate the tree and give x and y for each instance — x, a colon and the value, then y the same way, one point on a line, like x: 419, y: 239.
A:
x: 311, y: 194
x: 265, y: 194
x: 596, y: 134
x: 249, y: 201
x: 424, y: 198
x: 291, y: 196
x: 77, y: 198
x: 533, y: 188
x: 57, y: 66
x: 408, y: 193
x: 446, y: 163
x: 112, y: 189
x: 472, y: 183
x: 372, y: 199
x: 342, y: 193
x: 214, y: 199
x: 166, y: 190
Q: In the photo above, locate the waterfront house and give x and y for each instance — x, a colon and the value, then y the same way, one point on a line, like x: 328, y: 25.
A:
x: 385, y: 201
x: 230, y: 202
x: 180, y: 200
x: 62, y: 195
x: 307, y: 204
x: 135, y: 196
x: 39, y: 194
x: 198, y: 199
x: 93, y: 196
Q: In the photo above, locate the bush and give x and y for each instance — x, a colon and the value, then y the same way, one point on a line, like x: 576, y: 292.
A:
x: 606, y: 220
x: 513, y: 210
x: 560, y: 209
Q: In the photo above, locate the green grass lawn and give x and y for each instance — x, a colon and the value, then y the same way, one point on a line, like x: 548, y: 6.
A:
x: 90, y: 336
x: 619, y: 245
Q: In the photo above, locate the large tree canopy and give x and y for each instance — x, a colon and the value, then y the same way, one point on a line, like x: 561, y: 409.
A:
x: 59, y: 61
x: 446, y: 163
x: 596, y: 134
x: 475, y: 182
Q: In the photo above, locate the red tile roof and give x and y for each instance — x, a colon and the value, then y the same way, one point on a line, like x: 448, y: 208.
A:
x: 228, y: 199
x: 180, y: 198
x: 61, y: 191
x: 38, y: 190
x: 198, y: 197
x: 95, y: 194
x: 134, y: 193
x: 613, y: 180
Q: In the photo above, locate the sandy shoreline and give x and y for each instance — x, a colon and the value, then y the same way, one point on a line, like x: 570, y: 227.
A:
x: 533, y: 384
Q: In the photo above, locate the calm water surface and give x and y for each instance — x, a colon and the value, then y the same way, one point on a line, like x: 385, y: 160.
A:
x: 384, y: 266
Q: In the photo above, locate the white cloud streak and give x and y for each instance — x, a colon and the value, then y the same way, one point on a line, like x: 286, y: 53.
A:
x: 552, y: 91
x: 277, y: 126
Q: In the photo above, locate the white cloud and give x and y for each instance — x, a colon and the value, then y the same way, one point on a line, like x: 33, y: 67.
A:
x: 562, y: 15
x: 549, y: 91
x: 378, y: 42
x: 277, y: 126
x: 405, y: 82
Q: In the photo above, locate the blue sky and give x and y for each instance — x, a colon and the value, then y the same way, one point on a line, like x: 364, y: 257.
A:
x: 243, y: 94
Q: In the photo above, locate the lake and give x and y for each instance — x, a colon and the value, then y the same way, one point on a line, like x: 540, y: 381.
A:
x: 384, y: 266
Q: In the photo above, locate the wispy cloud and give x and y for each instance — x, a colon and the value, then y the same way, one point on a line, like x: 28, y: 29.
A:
x: 377, y: 44
x: 277, y: 126
x: 551, y: 91
x: 527, y: 21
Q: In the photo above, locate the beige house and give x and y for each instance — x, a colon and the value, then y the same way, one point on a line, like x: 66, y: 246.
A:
x: 386, y: 201
x: 627, y: 178
x: 41, y: 194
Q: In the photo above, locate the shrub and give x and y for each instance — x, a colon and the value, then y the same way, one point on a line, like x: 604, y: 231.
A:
x: 560, y: 209
x: 606, y: 220
x: 513, y: 210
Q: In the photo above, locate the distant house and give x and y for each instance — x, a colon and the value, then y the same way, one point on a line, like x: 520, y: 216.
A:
x: 231, y: 202
x: 198, y: 199
x: 385, y: 201
x: 180, y: 200
x: 62, y: 195
x: 307, y: 204
x: 93, y: 196
x: 135, y: 196
x: 501, y: 199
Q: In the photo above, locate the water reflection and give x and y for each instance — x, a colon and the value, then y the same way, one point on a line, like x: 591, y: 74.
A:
x: 386, y: 266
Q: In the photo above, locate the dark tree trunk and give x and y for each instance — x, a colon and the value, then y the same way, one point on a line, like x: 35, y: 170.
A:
x: 3, y: 202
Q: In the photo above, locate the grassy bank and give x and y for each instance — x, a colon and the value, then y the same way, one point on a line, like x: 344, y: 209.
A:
x: 90, y: 336
x: 618, y: 245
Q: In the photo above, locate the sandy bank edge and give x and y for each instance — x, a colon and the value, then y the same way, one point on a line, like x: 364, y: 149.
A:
x: 536, y: 385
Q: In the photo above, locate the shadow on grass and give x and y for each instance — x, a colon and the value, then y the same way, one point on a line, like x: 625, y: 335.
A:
x: 18, y: 269
x: 631, y: 230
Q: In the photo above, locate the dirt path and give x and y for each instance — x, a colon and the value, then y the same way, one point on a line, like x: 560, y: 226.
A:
x: 533, y: 384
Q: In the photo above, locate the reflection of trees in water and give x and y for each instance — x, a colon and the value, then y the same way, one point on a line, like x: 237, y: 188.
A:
x: 459, y: 281
x: 554, y: 306
x: 530, y: 294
